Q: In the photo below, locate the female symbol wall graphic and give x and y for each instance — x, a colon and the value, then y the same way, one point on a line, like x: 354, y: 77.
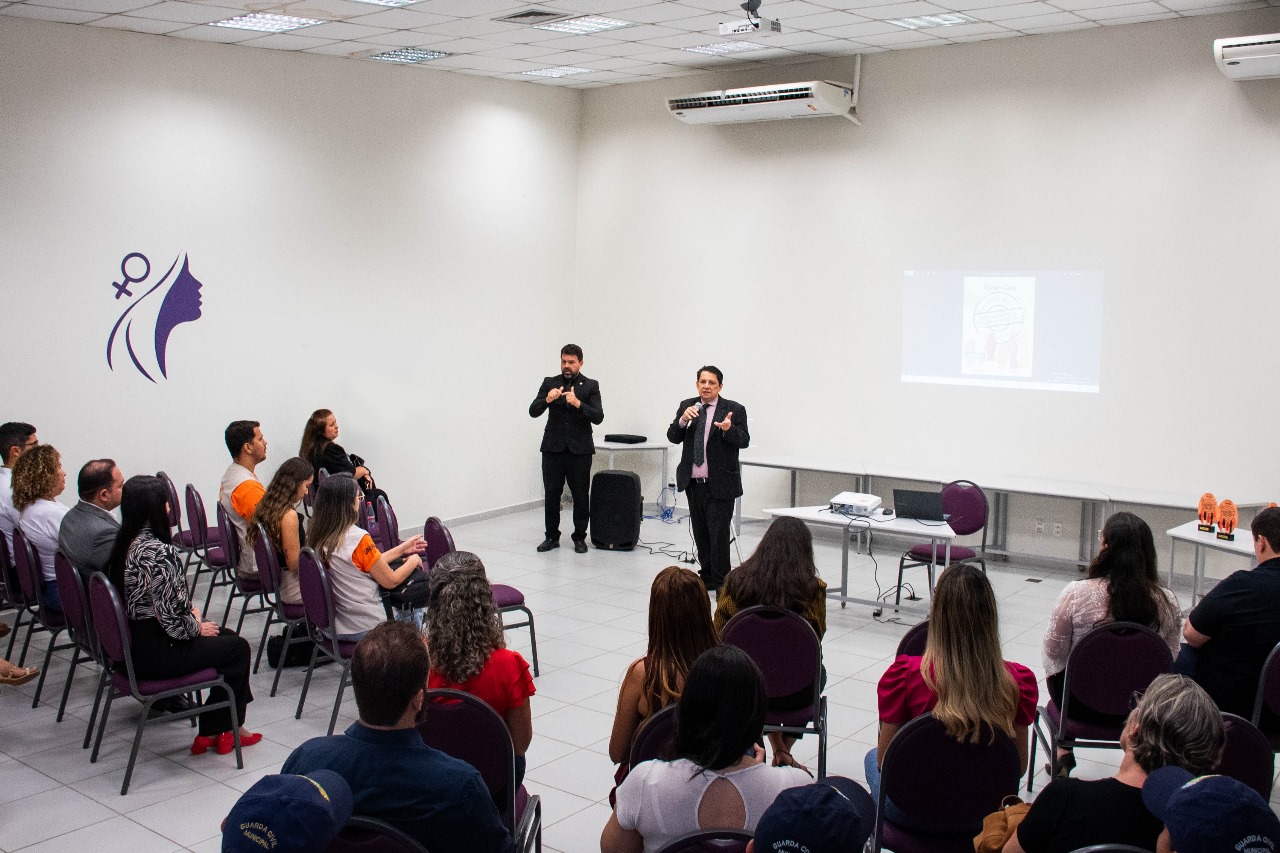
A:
x: 181, y: 304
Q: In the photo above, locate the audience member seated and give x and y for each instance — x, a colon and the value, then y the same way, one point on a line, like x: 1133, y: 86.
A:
x: 320, y: 448
x: 358, y: 571
x: 679, y: 630
x: 1236, y: 625
x: 1123, y: 585
x: 438, y: 800
x: 836, y: 815
x: 16, y: 438
x: 288, y: 814
x: 279, y: 514
x: 88, y: 530
x: 1209, y: 814
x: 962, y: 678
x: 169, y: 637
x: 38, y: 479
x: 1175, y: 723
x: 241, y: 489
x: 467, y: 649
x: 781, y: 573
x: 719, y: 779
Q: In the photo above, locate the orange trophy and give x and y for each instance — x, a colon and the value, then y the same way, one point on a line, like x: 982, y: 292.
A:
x: 1227, y: 518
x: 1208, y: 512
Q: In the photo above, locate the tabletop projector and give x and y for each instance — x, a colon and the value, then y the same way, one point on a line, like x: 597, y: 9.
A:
x: 855, y: 503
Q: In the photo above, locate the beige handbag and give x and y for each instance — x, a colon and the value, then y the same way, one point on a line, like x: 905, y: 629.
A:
x: 999, y: 826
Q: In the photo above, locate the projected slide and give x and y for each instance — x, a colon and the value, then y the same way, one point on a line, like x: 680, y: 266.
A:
x: 1039, y: 330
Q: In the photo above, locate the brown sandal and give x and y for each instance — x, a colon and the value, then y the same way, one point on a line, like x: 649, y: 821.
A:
x: 18, y: 675
x: 785, y: 759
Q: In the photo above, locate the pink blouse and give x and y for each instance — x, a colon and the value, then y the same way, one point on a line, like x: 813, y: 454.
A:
x: 903, y: 694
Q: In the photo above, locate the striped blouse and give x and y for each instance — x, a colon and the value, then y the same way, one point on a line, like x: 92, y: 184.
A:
x: 155, y: 586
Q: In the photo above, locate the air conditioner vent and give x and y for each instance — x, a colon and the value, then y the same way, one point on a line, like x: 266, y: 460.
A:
x: 532, y: 16
x: 769, y: 103
x: 726, y: 99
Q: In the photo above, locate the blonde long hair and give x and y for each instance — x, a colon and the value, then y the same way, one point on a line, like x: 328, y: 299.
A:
x: 962, y: 660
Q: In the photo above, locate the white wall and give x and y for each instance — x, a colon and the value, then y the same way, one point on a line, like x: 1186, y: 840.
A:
x: 776, y: 252
x: 394, y: 244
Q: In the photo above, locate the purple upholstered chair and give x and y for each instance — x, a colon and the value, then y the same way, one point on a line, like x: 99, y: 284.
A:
x: 912, y: 642
x: 44, y: 618
x: 506, y: 598
x: 75, y: 609
x: 965, y: 505
x: 246, y: 588
x: 112, y: 631
x: 370, y: 835
x: 1106, y: 670
x: 950, y: 784
x: 182, y: 539
x: 709, y: 841
x: 467, y: 728
x: 1268, y: 695
x: 789, y: 655
x: 388, y: 525
x: 14, y: 599
x: 282, y: 613
x: 655, y: 738
x: 317, y: 603
x: 1247, y: 755
x: 206, y: 545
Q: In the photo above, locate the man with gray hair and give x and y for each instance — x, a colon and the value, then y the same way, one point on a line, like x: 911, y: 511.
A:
x: 88, y: 530
x: 1174, y: 724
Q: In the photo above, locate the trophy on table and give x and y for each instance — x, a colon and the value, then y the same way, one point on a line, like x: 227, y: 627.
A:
x: 1227, y: 518
x: 1208, y: 513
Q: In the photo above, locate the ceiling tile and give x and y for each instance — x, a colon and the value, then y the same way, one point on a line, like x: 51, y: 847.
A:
x: 1021, y: 24
x: 566, y: 42
x: 857, y: 31
x: 1021, y: 10
x: 1138, y: 19
x: 401, y: 19
x: 610, y: 63
x: 609, y: 8
x: 102, y: 7
x: 623, y: 49
x: 466, y: 27
x: 644, y: 32
x: 1189, y: 5
x: 341, y: 30
x: 658, y: 13
x: 824, y: 20
x: 218, y: 34
x: 691, y: 40
x: 997, y: 33
x: 1232, y: 8
x: 340, y: 48
x: 289, y: 41
x: 473, y: 8
x: 49, y: 13
x: 963, y: 30
x: 796, y: 38
x: 1060, y: 28
x: 497, y: 64
x: 399, y: 38
x: 904, y: 37
x: 137, y: 25
x: 517, y: 51
x: 902, y: 10
x: 1126, y: 10
x: 190, y: 13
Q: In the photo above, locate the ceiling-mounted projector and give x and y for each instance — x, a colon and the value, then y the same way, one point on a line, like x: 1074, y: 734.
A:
x: 755, y: 26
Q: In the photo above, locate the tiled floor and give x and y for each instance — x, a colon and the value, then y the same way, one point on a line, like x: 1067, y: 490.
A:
x: 591, y: 612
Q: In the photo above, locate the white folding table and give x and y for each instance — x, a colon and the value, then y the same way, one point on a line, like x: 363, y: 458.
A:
x: 1241, y: 546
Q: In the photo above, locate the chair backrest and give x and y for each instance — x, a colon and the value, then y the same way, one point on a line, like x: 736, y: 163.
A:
x: 709, y: 841
x: 175, y: 506
x: 467, y: 728
x: 1247, y: 755
x: 388, y: 524
x: 782, y: 644
x: 1110, y: 848
x: 317, y: 597
x: 27, y: 564
x: 370, y: 835
x: 965, y: 504
x: 927, y: 772
x: 75, y: 601
x: 655, y: 738
x: 439, y: 542
x: 264, y: 555
x: 9, y: 583
x: 912, y: 642
x: 230, y: 539
x: 197, y: 519
x: 109, y: 624
x: 1268, y: 687
x: 1111, y: 665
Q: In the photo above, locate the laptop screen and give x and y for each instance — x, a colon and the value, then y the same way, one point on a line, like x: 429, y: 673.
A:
x: 925, y: 506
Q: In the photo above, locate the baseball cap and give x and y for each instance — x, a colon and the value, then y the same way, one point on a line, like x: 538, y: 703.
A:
x: 835, y: 815
x: 1209, y: 814
x: 288, y: 814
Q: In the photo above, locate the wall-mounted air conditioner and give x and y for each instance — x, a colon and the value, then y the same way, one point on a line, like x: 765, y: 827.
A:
x: 814, y: 99
x: 1248, y: 57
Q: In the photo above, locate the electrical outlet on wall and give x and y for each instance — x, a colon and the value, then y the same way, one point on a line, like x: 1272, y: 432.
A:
x: 1039, y: 526
x: 1057, y: 528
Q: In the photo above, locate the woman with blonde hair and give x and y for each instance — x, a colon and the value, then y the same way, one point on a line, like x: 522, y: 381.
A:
x: 679, y: 630
x: 962, y: 678
x: 38, y: 479
x: 278, y: 514
x: 468, y: 650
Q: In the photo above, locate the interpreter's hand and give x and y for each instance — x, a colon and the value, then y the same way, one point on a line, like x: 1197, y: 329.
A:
x: 689, y: 414
x: 209, y: 629
x: 572, y: 399
x: 553, y: 395
x: 726, y: 423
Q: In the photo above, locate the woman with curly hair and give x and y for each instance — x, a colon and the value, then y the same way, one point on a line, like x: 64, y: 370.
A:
x: 38, y: 479
x: 679, y: 631
x: 468, y: 651
x: 278, y: 514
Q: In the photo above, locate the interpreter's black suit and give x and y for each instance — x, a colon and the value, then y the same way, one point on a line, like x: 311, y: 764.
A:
x: 567, y: 447
x: 711, y: 502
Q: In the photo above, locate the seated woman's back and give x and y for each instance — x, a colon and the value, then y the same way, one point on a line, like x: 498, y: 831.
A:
x: 779, y: 573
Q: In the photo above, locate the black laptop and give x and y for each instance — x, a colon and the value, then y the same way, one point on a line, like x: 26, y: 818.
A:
x: 925, y: 506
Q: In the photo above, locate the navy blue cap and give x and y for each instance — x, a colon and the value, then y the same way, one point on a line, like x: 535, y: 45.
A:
x: 288, y: 814
x: 1210, y: 814
x: 835, y: 815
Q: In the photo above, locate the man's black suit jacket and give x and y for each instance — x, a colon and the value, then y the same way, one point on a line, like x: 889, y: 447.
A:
x: 569, y: 428
x: 721, y: 449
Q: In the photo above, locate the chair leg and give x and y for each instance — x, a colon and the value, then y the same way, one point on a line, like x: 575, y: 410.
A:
x: 66, y: 688
x: 533, y: 640
x: 137, y: 742
x: 822, y: 740
x: 337, y: 703
x: 26, y: 644
x: 13, y: 635
x: 284, y: 650
x: 262, y: 643
x: 97, y: 703
x: 102, y: 727
x: 897, y: 598
x: 235, y: 725
x: 231, y: 600
x: 306, y: 682
x: 44, y: 670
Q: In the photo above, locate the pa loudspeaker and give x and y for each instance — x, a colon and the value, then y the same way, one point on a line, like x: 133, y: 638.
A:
x: 616, y: 508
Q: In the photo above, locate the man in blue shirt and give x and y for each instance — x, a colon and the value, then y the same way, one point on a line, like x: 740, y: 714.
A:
x: 440, y: 801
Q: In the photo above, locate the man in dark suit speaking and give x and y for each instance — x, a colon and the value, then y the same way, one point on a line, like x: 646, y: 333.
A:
x: 572, y: 403
x: 712, y: 429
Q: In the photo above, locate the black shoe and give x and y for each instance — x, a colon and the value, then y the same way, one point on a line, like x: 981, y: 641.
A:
x: 547, y: 545
x: 579, y: 546
x: 170, y: 706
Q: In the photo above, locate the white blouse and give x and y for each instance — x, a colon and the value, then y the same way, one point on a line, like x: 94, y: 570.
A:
x: 1083, y: 606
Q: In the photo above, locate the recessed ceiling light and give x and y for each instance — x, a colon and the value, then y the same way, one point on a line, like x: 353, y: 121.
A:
x: 389, y: 2
x: 558, y: 71
x: 584, y: 25
x: 266, y: 22
x: 923, y: 21
x: 723, y: 47
x: 408, y: 55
